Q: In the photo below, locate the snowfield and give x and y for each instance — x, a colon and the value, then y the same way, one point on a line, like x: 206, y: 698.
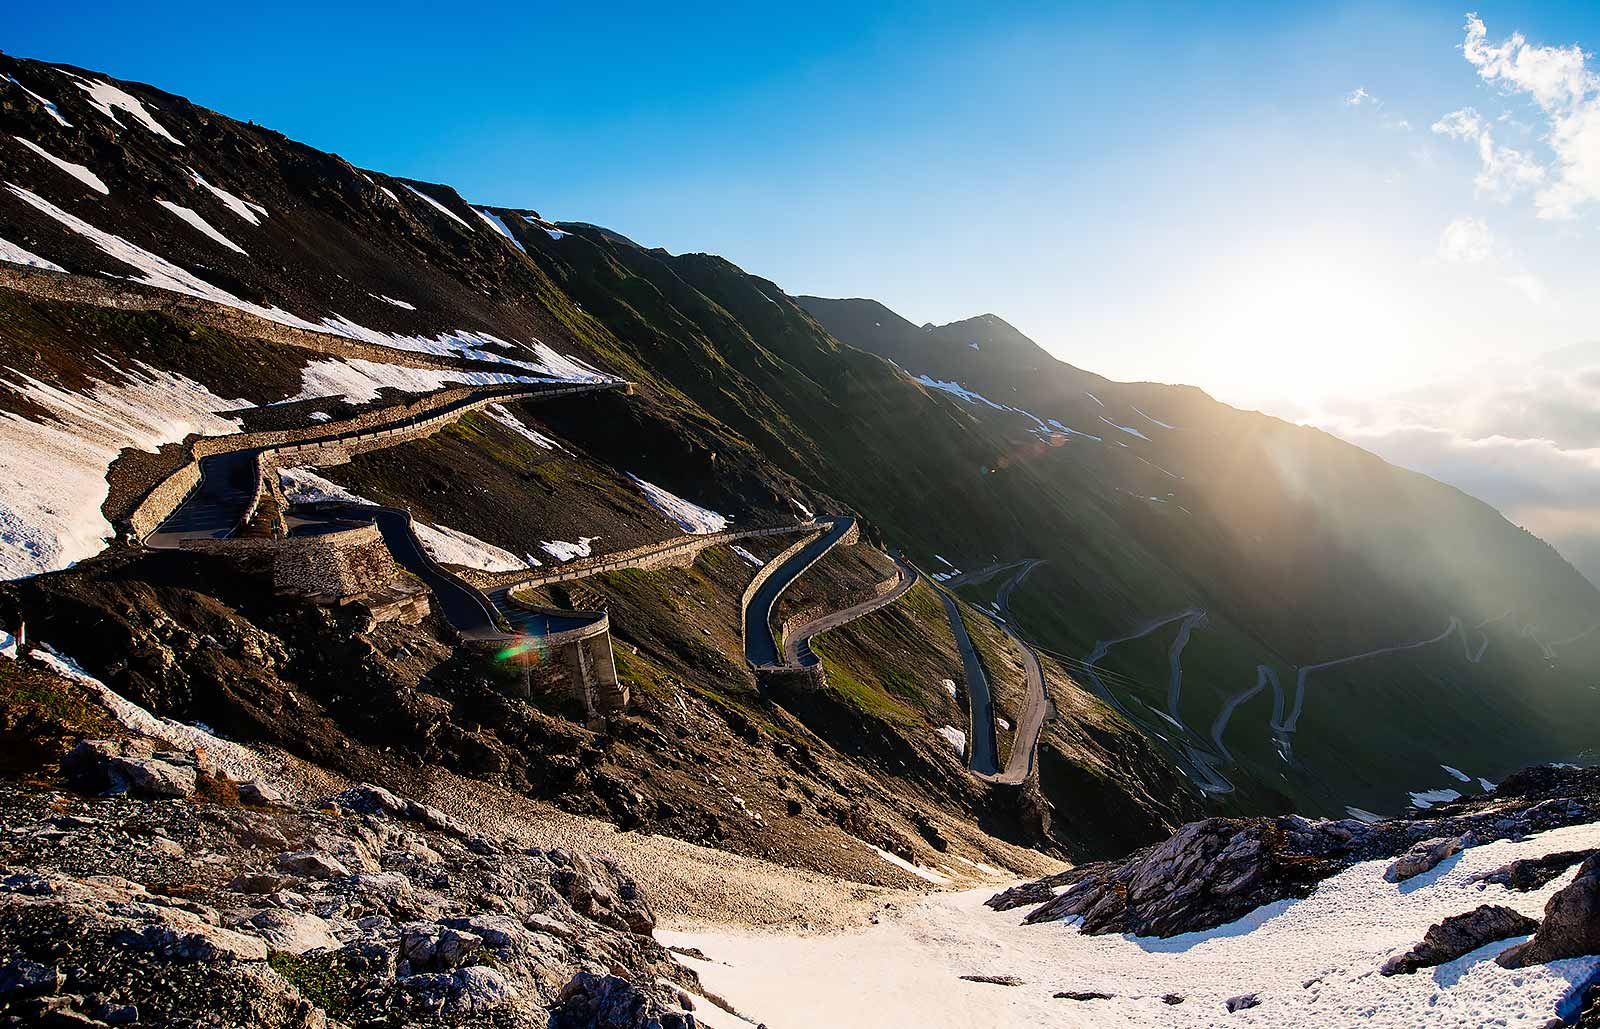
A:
x: 53, y: 474
x: 1313, y: 962
x: 200, y: 225
x: 77, y: 171
x: 691, y: 518
x: 250, y: 212
x: 49, y: 106
x: 108, y: 100
x: 563, y: 551
x: 9, y: 251
x: 359, y: 380
x: 161, y: 273
x: 450, y: 547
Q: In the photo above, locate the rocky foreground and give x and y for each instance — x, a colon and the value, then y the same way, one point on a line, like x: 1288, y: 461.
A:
x: 152, y: 890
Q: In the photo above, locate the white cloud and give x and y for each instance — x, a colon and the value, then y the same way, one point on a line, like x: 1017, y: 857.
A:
x: 1530, y: 286
x: 1522, y: 435
x: 1557, y: 80
x: 1505, y: 170
x: 1360, y: 96
x: 1466, y: 241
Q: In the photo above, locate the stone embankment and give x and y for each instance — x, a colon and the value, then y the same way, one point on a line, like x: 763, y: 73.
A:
x: 335, y: 443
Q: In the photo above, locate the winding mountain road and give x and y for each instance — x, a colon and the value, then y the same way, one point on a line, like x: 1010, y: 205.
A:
x: 228, y: 489
x: 760, y: 647
x: 797, y: 644
x: 982, y: 750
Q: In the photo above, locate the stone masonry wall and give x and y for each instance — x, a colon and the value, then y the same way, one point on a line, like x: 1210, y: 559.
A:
x: 369, y: 430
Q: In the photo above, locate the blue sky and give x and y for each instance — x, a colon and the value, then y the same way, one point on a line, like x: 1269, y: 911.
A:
x: 1098, y: 177
x: 1359, y: 215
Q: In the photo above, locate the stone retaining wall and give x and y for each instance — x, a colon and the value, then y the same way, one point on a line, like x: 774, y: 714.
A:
x: 680, y: 551
x: 851, y: 536
x: 764, y: 573
x: 369, y: 430
x: 851, y: 598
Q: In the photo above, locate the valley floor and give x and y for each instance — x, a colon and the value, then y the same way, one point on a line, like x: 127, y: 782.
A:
x: 1312, y: 962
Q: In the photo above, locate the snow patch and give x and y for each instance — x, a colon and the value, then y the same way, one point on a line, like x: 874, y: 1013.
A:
x: 980, y: 866
x: 9, y: 251
x: 747, y: 555
x: 691, y: 517
x: 451, y: 547
x: 250, y: 212
x: 1428, y: 798
x: 53, y: 473
x: 108, y: 99
x: 1458, y: 773
x: 510, y: 421
x: 391, y: 300
x: 77, y: 171
x: 1153, y: 421
x: 304, y: 486
x: 955, y: 737
x: 199, y: 223
x: 803, y: 508
x: 1096, y: 399
x: 238, y: 763
x: 1130, y: 430
x: 927, y: 874
x: 49, y: 106
x: 494, y: 222
x: 439, y: 207
x: 563, y: 551
x: 949, y: 687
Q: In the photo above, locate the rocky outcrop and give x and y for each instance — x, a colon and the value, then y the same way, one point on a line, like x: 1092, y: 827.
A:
x: 1219, y: 869
x: 1461, y: 934
x: 1426, y: 856
x: 1571, y: 926
x: 366, y: 909
x: 1527, y: 874
x: 119, y: 766
x: 591, y: 1001
x: 1210, y: 872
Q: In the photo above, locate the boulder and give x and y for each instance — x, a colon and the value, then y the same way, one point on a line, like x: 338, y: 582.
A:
x: 20, y: 979
x: 1527, y: 874
x: 1461, y: 934
x: 1571, y: 926
x: 367, y: 799
x: 259, y: 794
x: 1426, y: 856
x: 292, y: 931
x: 191, y: 940
x: 121, y: 766
x: 430, y: 947
x: 591, y: 1001
x: 1241, y: 1002
x: 311, y: 864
